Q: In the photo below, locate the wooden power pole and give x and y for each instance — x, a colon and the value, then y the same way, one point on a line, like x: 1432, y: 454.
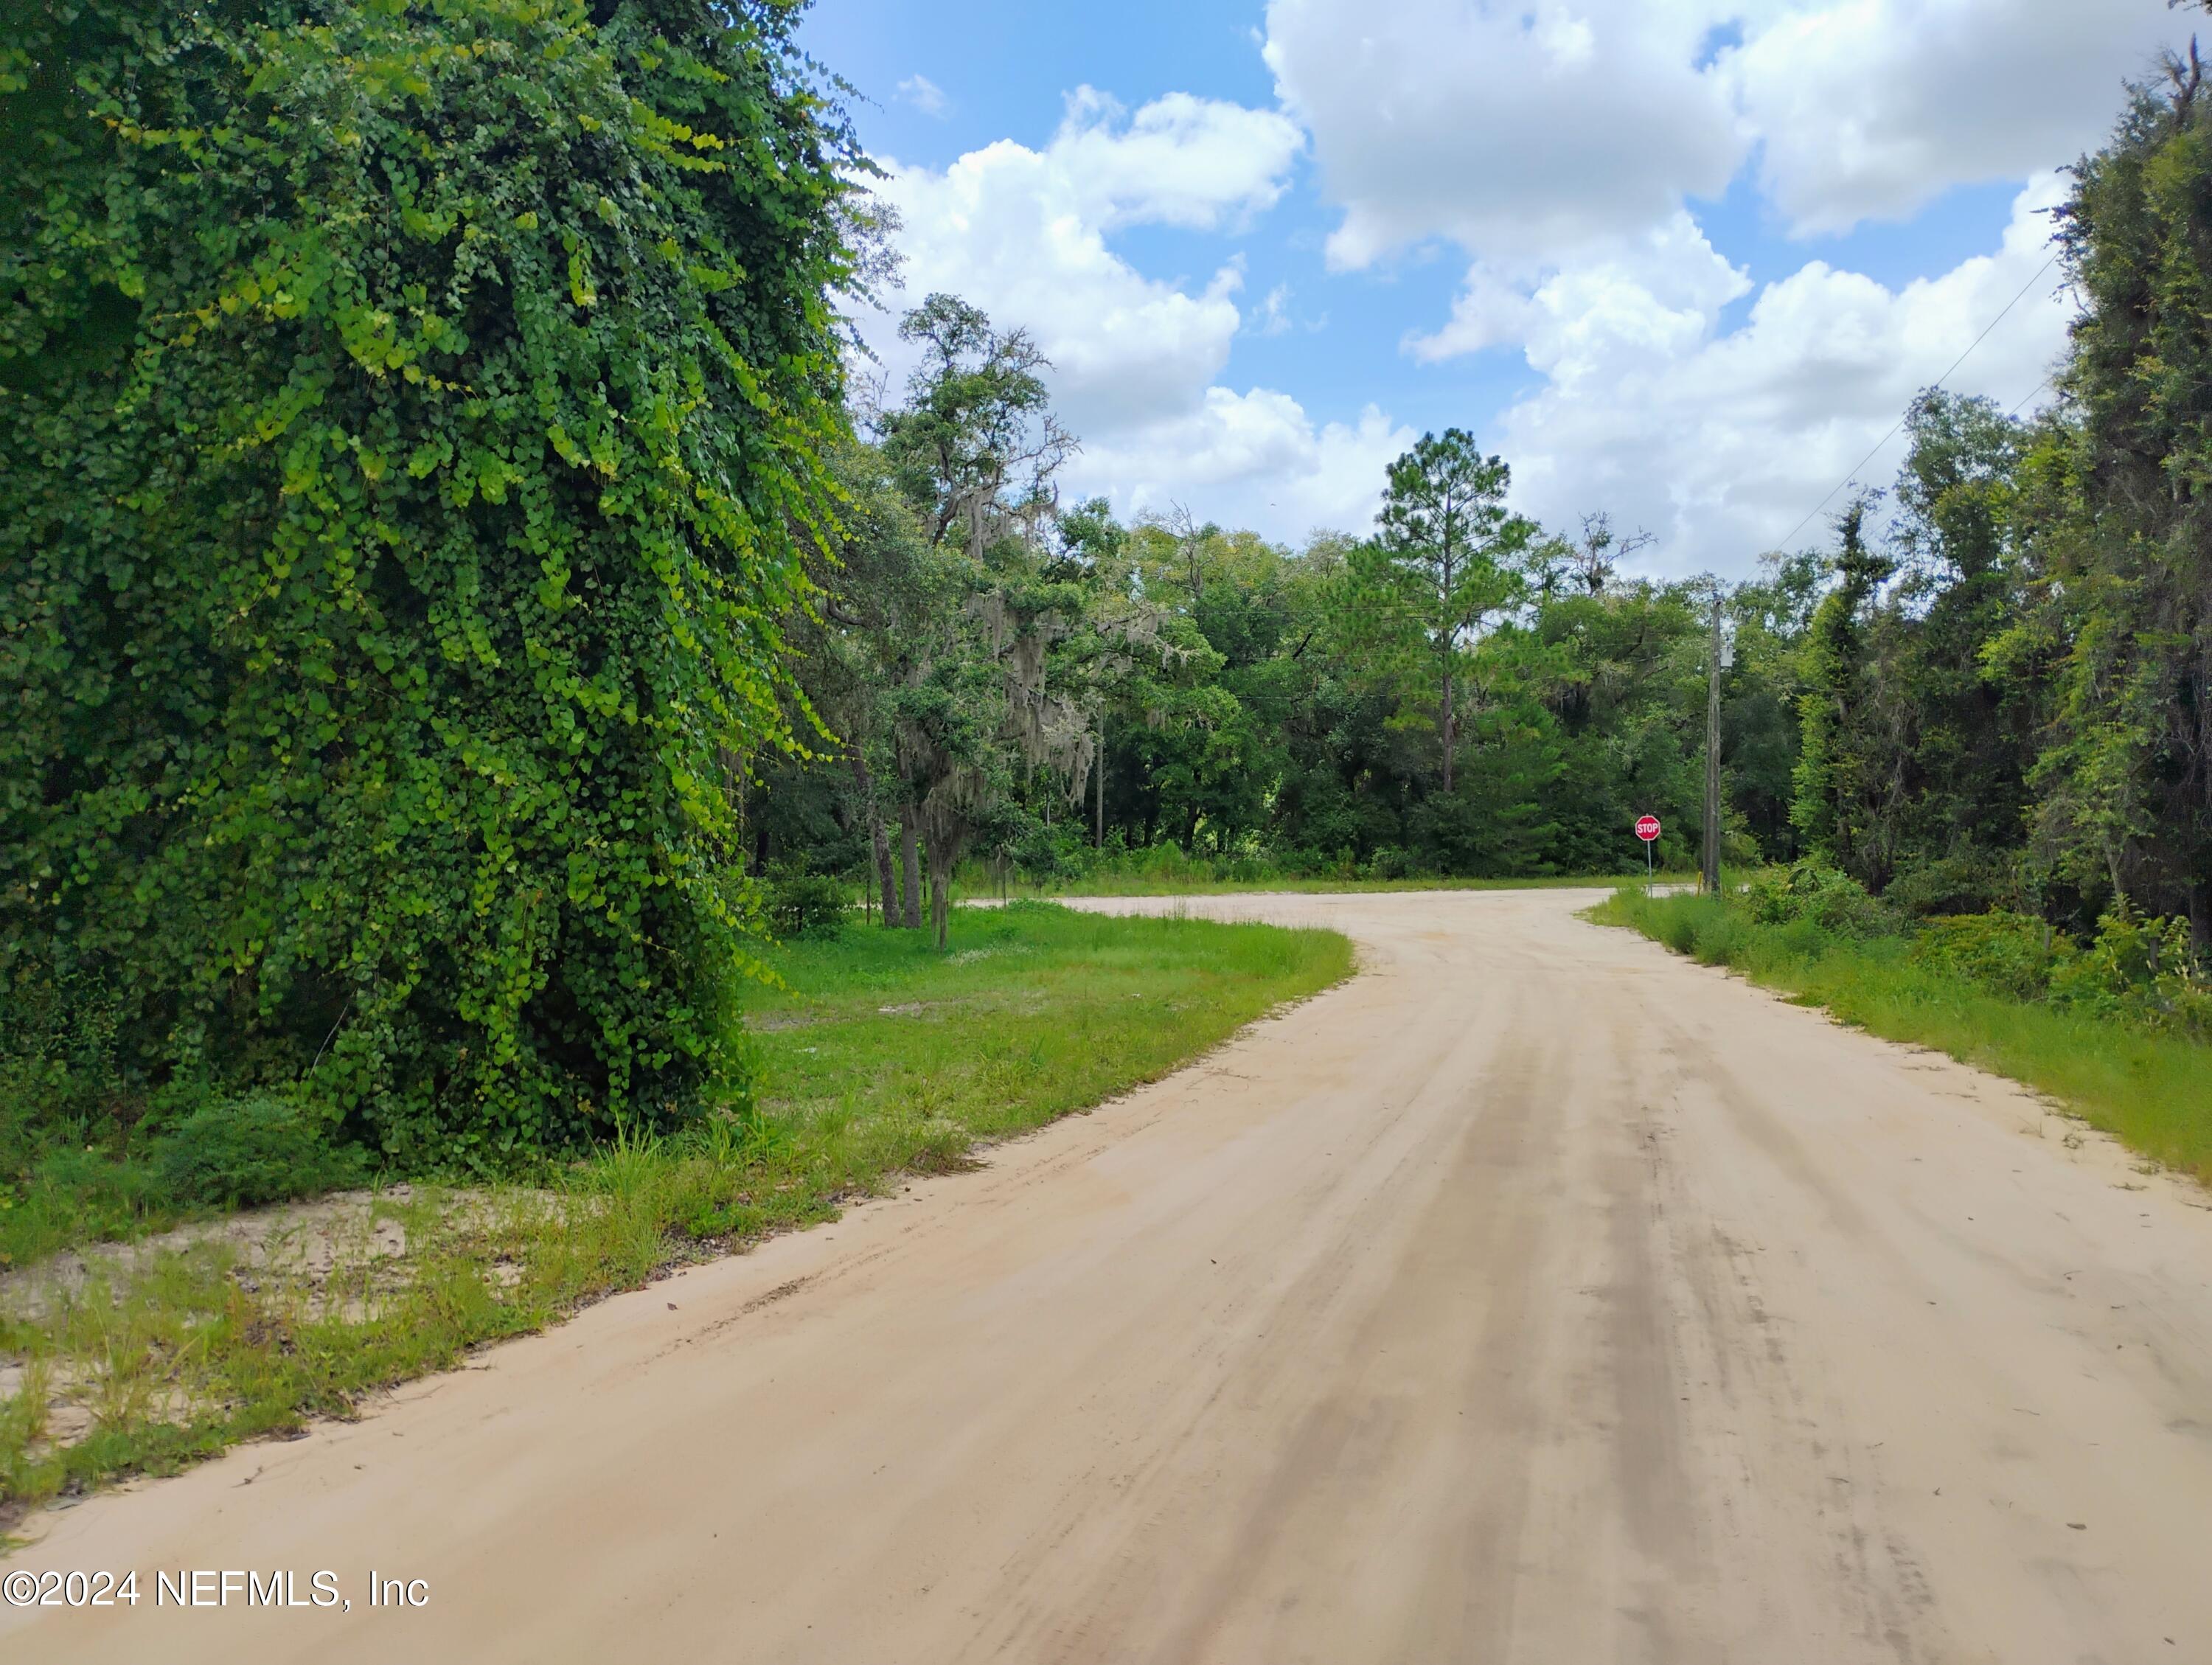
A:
x: 1713, y: 863
x: 1099, y: 839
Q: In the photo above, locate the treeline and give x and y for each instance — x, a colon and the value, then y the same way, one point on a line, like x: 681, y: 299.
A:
x: 1041, y: 689
x: 1991, y: 690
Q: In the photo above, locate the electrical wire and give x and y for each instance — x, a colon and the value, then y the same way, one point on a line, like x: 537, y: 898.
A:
x: 1940, y: 381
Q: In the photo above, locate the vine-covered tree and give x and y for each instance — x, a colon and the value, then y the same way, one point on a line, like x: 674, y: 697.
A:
x: 412, y: 412
x: 1846, y: 784
x: 2125, y: 787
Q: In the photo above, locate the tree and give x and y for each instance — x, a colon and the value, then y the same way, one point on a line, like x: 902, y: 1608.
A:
x: 1443, y: 559
x: 880, y: 590
x: 1847, y: 783
x: 976, y: 445
x: 427, y: 403
x: 1968, y: 746
x: 974, y: 448
x: 1770, y: 617
x: 2124, y: 785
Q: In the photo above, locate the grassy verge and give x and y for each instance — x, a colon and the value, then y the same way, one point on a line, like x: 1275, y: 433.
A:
x: 2154, y: 1092
x: 880, y: 1056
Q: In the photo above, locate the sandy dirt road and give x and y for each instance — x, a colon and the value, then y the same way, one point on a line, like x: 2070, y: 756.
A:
x: 1536, y: 1297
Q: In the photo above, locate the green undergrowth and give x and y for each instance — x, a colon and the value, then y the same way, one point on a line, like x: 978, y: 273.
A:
x: 2151, y: 1087
x: 878, y: 1056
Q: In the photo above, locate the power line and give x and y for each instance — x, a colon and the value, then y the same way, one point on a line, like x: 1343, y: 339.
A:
x: 1940, y: 381
x: 2033, y: 392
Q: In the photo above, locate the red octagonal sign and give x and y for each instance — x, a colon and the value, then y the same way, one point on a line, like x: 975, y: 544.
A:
x: 1647, y: 828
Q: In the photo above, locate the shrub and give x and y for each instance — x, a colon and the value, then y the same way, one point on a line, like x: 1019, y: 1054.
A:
x: 811, y: 905
x: 2139, y: 970
x: 1811, y: 890
x: 2007, y: 953
x: 260, y: 1147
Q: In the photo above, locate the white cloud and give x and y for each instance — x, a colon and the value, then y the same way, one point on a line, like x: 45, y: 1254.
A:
x: 1874, y: 108
x: 1251, y: 459
x: 1275, y: 312
x: 1180, y: 161
x: 1657, y: 291
x: 1530, y: 132
x: 1023, y: 233
x: 1563, y: 145
x: 1525, y: 132
x: 925, y: 95
x: 1721, y: 443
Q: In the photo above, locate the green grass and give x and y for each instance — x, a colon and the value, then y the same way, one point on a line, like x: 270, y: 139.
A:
x: 73, y: 1193
x: 2152, y: 1092
x: 878, y: 1057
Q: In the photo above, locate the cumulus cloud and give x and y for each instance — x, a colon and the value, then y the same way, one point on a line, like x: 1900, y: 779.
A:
x: 1564, y: 146
x: 1722, y: 442
x: 1657, y: 291
x: 1249, y: 459
x: 1871, y: 109
x: 1528, y: 131
x: 1180, y: 161
x: 1523, y: 132
x: 1023, y: 234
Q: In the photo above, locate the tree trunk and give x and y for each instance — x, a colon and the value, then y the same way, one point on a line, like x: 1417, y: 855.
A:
x: 910, y: 859
x: 1449, y: 720
x: 878, y: 843
x: 940, y: 891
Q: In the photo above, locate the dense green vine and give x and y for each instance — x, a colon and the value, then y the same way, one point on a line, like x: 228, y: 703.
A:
x: 409, y: 409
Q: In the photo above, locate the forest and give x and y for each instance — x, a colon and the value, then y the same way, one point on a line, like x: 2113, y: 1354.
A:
x: 464, y: 590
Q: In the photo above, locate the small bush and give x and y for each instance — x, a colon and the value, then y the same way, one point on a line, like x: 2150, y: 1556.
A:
x: 1390, y: 862
x: 2005, y: 953
x: 2141, y: 971
x: 262, y: 1147
x: 814, y: 906
x: 1811, y: 890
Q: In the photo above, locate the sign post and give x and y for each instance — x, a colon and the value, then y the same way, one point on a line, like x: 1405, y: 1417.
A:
x: 1647, y: 828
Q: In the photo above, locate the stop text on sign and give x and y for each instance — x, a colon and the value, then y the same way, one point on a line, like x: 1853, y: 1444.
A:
x: 1647, y: 828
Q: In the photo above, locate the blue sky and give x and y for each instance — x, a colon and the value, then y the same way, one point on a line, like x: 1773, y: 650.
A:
x: 1681, y: 260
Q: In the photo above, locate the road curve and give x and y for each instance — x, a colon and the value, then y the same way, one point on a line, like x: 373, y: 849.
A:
x: 1536, y: 1297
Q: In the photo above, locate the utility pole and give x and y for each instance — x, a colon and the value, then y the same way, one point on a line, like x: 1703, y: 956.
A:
x: 1712, y: 864
x: 1100, y: 840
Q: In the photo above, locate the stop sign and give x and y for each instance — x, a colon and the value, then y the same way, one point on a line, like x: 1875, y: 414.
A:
x: 1647, y: 828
